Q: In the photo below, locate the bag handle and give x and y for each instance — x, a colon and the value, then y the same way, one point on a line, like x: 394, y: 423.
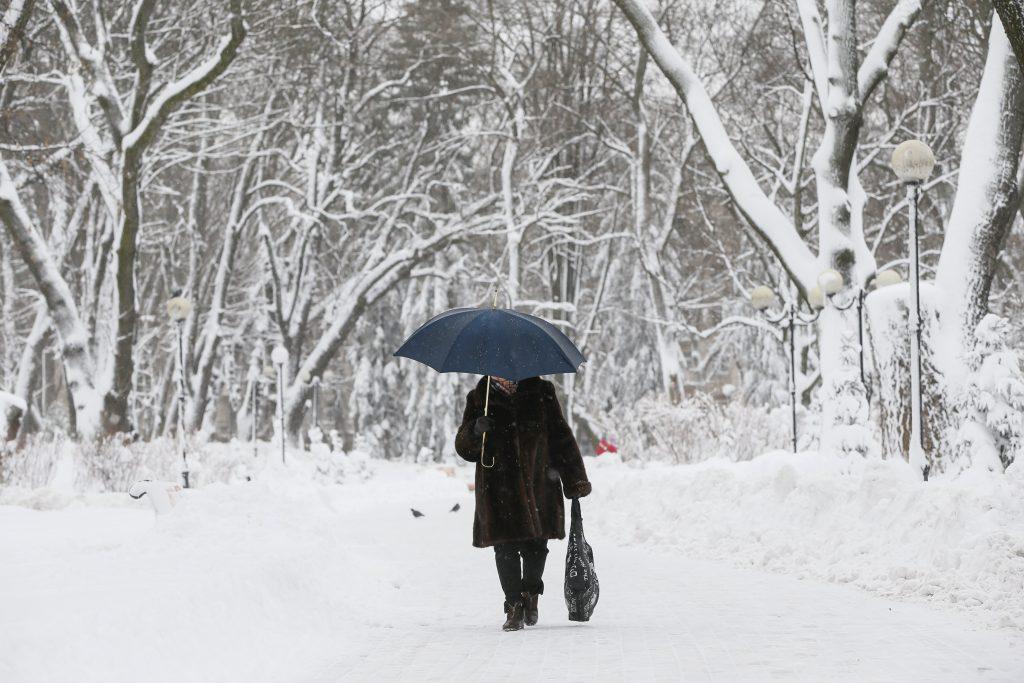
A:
x: 577, y: 516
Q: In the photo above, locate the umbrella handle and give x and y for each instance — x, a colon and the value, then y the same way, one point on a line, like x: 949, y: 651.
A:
x: 483, y: 441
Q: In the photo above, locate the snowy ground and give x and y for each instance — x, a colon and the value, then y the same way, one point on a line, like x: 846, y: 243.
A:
x: 283, y: 580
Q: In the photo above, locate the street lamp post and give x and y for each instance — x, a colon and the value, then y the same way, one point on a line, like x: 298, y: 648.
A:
x: 882, y: 279
x: 279, y: 356
x: 331, y: 382
x: 762, y: 298
x: 316, y: 402
x: 178, y: 309
x: 315, y: 434
x: 913, y: 161
x: 831, y: 282
x: 254, y: 400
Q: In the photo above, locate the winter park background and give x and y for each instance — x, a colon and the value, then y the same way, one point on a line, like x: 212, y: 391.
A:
x: 186, y: 186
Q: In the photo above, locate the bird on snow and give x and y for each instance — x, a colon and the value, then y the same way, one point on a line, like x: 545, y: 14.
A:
x: 456, y: 508
x: 416, y: 513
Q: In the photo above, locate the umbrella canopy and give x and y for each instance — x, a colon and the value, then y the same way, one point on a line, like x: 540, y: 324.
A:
x: 492, y: 341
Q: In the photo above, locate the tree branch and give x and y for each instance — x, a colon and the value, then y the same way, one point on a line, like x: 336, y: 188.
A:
x: 876, y: 62
x: 763, y: 215
x: 1011, y: 13
x: 12, y: 29
x: 183, y: 89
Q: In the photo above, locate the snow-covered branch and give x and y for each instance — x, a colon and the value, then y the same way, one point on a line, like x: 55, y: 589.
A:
x: 59, y: 300
x: 876, y: 62
x: 987, y: 198
x: 755, y: 205
x: 147, y: 121
x: 12, y: 28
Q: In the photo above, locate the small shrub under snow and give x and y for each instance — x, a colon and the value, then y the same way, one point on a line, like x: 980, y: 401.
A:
x: 698, y: 428
x: 992, y: 436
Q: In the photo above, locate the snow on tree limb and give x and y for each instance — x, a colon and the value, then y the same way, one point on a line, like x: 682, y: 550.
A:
x: 36, y: 254
x: 28, y: 363
x: 987, y: 194
x: 12, y: 27
x: 59, y: 300
x: 814, y: 39
x: 174, y: 94
x: 1011, y: 14
x: 376, y: 279
x: 875, y: 65
x: 143, y: 64
x: 77, y: 46
x: 133, y: 147
x: 209, y: 340
x: 766, y: 218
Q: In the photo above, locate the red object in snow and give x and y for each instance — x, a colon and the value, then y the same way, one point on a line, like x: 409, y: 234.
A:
x: 605, y: 446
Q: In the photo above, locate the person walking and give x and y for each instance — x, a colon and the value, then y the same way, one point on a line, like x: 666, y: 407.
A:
x: 530, y: 459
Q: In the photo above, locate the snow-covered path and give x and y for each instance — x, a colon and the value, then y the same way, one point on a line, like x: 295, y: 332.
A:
x: 342, y: 583
x: 661, y: 617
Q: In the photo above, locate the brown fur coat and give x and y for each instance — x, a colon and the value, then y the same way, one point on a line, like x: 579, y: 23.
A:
x: 535, y: 457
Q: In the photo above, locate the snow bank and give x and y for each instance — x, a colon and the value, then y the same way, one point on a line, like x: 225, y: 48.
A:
x: 56, y: 470
x: 291, y: 572
x: 221, y: 588
x: 958, y: 541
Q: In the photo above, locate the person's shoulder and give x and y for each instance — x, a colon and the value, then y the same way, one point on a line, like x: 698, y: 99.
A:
x: 546, y: 387
x: 475, y: 393
x: 479, y: 388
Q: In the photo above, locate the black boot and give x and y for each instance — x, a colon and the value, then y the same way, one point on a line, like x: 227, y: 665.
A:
x: 514, y: 610
x: 530, y: 612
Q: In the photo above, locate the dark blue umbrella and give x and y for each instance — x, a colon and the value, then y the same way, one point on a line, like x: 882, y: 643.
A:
x: 498, y: 342
x: 492, y: 341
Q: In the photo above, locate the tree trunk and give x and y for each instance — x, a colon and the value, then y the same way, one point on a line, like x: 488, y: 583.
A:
x: 1011, y: 13
x: 986, y: 203
x: 212, y: 333
x: 28, y: 374
x: 75, y: 347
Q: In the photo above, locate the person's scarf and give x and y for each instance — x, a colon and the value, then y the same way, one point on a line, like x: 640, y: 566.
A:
x: 507, y: 386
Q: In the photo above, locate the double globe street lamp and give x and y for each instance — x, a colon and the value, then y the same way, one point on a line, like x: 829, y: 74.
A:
x: 830, y: 283
x: 912, y: 162
x: 763, y: 298
x: 835, y: 284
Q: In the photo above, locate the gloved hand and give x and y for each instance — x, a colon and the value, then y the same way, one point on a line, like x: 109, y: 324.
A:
x: 483, y: 424
x: 578, y: 490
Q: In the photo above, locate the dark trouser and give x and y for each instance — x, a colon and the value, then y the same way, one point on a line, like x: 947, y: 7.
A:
x: 517, y: 578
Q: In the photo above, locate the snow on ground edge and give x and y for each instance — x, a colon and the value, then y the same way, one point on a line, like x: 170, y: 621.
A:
x: 956, y: 541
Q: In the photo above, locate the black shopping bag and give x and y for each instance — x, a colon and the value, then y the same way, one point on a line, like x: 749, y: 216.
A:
x: 581, y: 586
